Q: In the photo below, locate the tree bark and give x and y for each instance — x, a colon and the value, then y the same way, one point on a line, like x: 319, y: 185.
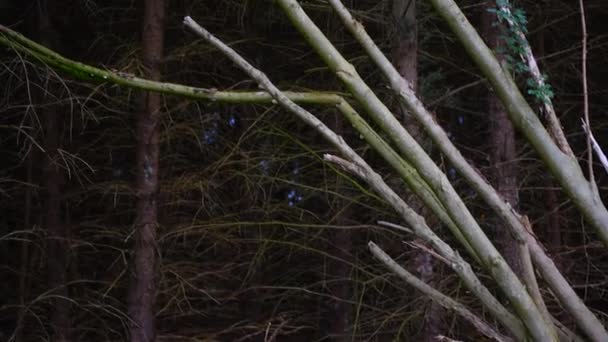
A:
x: 338, y: 278
x: 23, y: 284
x: 502, y: 145
x: 57, y: 231
x: 143, y: 288
x: 405, y: 59
x: 57, y: 237
x: 340, y: 285
x: 553, y: 224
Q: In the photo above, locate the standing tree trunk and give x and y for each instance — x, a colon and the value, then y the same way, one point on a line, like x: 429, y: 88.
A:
x: 57, y: 232
x: 56, y: 229
x: 339, y: 269
x: 552, y: 192
x: 23, y: 285
x: 405, y: 59
x: 143, y: 288
x: 339, y: 311
x: 502, y: 144
x: 340, y: 286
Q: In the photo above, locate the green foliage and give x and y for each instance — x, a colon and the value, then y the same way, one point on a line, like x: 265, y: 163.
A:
x: 543, y: 91
x: 517, y: 47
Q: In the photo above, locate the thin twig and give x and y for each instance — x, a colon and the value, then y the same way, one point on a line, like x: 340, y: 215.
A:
x: 596, y: 147
x: 395, y: 226
x: 428, y: 251
x: 586, y: 95
x: 344, y: 164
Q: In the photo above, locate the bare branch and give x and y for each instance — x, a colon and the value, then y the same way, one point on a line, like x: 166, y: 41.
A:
x: 375, y: 181
x: 395, y: 226
x: 560, y: 286
x: 441, y: 299
x: 596, y: 147
x: 566, y: 169
x: 491, y: 259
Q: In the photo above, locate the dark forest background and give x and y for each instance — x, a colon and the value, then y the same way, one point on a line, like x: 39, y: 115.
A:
x: 258, y: 239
